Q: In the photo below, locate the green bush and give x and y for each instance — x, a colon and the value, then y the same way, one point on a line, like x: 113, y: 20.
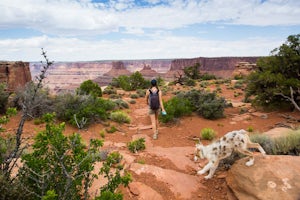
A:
x: 133, y: 82
x: 134, y: 96
x: 207, y: 76
x: 121, y: 103
x: 109, y: 90
x: 206, y: 104
x: 284, y: 145
x: 41, y: 104
x: 136, y: 145
x: 132, y: 101
x: 70, y: 106
x: 120, y: 117
x: 111, y: 130
x: 208, y: 134
x: 176, y: 107
x: 89, y: 88
x: 141, y: 92
x: 289, y: 144
x: 62, y: 167
x: 3, y: 97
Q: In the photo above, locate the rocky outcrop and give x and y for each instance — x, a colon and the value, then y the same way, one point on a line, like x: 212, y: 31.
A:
x: 243, y: 69
x: 14, y: 74
x: 219, y: 66
x: 66, y: 76
x: 273, y: 177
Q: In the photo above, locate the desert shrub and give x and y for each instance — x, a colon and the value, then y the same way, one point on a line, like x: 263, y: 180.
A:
x: 208, y: 134
x: 284, y: 145
x: 121, y: 103
x: 62, y: 166
x: 109, y: 90
x: 206, y: 104
x: 190, y: 82
x: 289, y: 144
x: 134, y: 96
x: 111, y: 130
x: 136, y: 145
x: 73, y: 107
x: 120, y: 117
x: 207, y: 76
x: 115, y: 96
x: 108, y: 191
x: 3, y: 97
x: 239, y: 84
x: 265, y: 141
x: 176, y: 107
x: 141, y: 92
x: 12, y: 189
x: 37, y: 107
x: 250, y: 129
x: 132, y: 101
x: 204, y: 84
x: 133, y: 82
x: 89, y: 88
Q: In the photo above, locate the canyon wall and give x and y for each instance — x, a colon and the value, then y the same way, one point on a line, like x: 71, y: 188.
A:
x: 67, y: 76
x: 14, y: 74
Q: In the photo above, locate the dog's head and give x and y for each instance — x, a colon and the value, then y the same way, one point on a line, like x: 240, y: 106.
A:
x: 199, y: 151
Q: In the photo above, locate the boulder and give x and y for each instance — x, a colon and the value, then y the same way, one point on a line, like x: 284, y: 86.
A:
x: 273, y: 177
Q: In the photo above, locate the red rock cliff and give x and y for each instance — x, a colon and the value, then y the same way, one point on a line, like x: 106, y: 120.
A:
x: 14, y: 74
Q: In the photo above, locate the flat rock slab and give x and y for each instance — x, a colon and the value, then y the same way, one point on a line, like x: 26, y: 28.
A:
x: 179, y: 183
x: 273, y: 177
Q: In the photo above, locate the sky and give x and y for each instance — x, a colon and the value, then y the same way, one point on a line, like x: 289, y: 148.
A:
x: 90, y: 30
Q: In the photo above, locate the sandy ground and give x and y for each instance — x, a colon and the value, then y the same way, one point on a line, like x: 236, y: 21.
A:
x: 178, y: 135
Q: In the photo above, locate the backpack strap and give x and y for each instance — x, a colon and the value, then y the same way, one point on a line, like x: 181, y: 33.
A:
x: 152, y: 92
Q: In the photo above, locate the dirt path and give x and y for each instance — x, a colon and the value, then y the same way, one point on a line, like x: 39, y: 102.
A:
x: 165, y: 169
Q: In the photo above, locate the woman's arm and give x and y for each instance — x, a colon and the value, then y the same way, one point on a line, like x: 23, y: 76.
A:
x: 160, y: 101
x: 147, y: 97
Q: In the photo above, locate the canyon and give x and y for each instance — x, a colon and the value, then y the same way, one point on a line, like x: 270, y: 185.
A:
x: 67, y: 76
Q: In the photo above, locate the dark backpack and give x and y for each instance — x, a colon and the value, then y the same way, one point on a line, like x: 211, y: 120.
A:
x: 154, y: 100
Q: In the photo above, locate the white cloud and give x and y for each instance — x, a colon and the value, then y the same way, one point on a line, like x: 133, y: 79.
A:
x: 72, y: 49
x: 68, y: 17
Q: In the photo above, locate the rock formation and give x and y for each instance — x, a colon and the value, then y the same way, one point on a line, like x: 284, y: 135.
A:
x: 14, y: 74
x: 273, y: 177
x: 243, y: 69
x: 67, y: 76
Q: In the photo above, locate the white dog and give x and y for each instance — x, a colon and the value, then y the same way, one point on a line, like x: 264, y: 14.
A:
x: 222, y: 148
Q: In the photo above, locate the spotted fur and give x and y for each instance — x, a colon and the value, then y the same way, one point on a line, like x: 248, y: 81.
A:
x: 222, y: 148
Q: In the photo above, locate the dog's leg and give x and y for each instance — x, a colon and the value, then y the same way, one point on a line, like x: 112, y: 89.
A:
x: 257, y: 146
x: 248, y: 153
x: 212, y: 169
x: 205, y: 168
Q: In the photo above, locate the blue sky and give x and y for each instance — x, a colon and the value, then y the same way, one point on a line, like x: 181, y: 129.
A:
x: 86, y: 30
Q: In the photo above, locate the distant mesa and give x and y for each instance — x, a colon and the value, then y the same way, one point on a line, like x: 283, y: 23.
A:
x: 67, y: 76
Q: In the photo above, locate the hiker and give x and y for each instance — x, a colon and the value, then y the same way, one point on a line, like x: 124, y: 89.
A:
x: 154, y: 100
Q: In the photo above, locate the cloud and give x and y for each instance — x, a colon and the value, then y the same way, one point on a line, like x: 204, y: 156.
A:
x: 73, y: 49
x: 83, y: 17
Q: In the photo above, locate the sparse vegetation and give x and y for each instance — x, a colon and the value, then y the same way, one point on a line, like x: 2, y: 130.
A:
x: 136, y: 145
x: 208, y: 134
x: 120, y: 117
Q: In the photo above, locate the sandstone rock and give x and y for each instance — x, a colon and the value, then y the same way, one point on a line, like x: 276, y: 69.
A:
x: 14, y: 74
x: 143, y: 192
x: 273, y: 177
x: 179, y: 183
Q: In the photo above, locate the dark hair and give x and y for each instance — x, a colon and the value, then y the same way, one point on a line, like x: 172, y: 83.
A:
x: 153, y: 82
